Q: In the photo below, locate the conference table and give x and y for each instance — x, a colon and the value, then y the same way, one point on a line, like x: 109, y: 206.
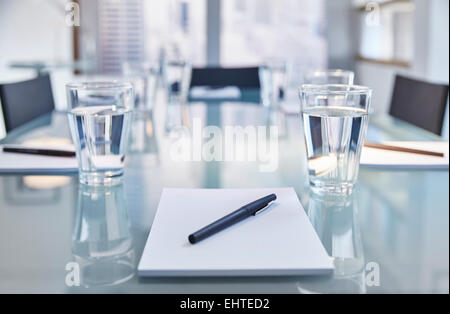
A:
x: 390, y: 236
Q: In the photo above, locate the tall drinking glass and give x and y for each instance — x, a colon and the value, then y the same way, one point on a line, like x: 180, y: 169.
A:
x: 176, y: 77
x: 99, y: 118
x: 335, y: 119
x: 144, y: 77
x: 278, y: 68
x: 330, y: 77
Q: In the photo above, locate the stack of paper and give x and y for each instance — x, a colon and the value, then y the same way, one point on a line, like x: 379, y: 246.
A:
x: 374, y: 157
x: 278, y: 242
x: 204, y: 92
x: 25, y: 163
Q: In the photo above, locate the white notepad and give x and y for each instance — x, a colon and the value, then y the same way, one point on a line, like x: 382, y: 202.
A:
x: 24, y: 163
x: 205, y: 92
x: 278, y: 242
x: 379, y: 158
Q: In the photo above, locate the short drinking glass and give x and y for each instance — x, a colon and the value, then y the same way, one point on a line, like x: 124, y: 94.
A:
x: 335, y: 119
x: 99, y: 118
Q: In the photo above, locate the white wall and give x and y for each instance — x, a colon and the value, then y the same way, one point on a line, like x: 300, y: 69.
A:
x: 430, y: 61
x: 438, y: 57
x: 32, y: 30
x: 439, y: 41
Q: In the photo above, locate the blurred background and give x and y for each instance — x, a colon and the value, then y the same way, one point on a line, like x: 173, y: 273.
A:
x: 375, y: 39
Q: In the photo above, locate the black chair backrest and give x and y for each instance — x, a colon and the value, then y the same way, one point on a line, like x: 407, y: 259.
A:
x: 221, y: 77
x: 420, y: 103
x: 26, y: 100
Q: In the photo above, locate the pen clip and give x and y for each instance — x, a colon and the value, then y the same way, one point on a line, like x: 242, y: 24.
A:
x: 259, y: 211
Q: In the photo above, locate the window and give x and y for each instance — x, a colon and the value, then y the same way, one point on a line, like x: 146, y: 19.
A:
x: 251, y: 32
x: 256, y: 30
x: 120, y: 33
x: 178, y: 27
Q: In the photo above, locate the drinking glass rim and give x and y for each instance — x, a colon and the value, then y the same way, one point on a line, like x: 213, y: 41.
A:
x: 339, y: 89
x: 330, y: 71
x: 99, y: 85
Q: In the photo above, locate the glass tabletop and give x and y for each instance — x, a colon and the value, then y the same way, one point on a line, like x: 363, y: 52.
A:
x: 391, y: 235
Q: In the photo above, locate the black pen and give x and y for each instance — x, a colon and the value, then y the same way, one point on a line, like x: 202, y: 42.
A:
x: 242, y: 213
x: 39, y: 151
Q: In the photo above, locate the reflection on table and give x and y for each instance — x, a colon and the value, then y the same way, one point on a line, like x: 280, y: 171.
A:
x: 102, y: 244
x: 397, y: 219
x: 337, y: 225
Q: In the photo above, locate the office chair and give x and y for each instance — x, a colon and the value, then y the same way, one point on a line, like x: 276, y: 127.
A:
x: 24, y: 101
x: 420, y: 103
x: 246, y: 79
x: 222, y: 77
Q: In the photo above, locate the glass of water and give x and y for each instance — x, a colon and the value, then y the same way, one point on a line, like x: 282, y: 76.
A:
x: 176, y: 78
x: 330, y: 77
x: 99, y: 118
x: 278, y: 69
x: 335, y: 119
x: 144, y: 77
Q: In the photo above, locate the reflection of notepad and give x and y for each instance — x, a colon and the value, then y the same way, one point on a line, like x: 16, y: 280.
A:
x: 372, y: 157
x: 278, y: 242
x: 24, y: 163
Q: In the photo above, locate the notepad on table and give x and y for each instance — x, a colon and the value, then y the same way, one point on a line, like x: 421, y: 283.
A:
x: 205, y: 92
x: 26, y: 163
x: 278, y: 242
x: 374, y: 157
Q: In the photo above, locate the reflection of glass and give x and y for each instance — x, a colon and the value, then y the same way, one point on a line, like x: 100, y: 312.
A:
x: 99, y: 119
x: 335, y: 119
x: 353, y: 284
x: 102, y: 243
x: 330, y: 77
x: 144, y: 77
x: 336, y: 223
